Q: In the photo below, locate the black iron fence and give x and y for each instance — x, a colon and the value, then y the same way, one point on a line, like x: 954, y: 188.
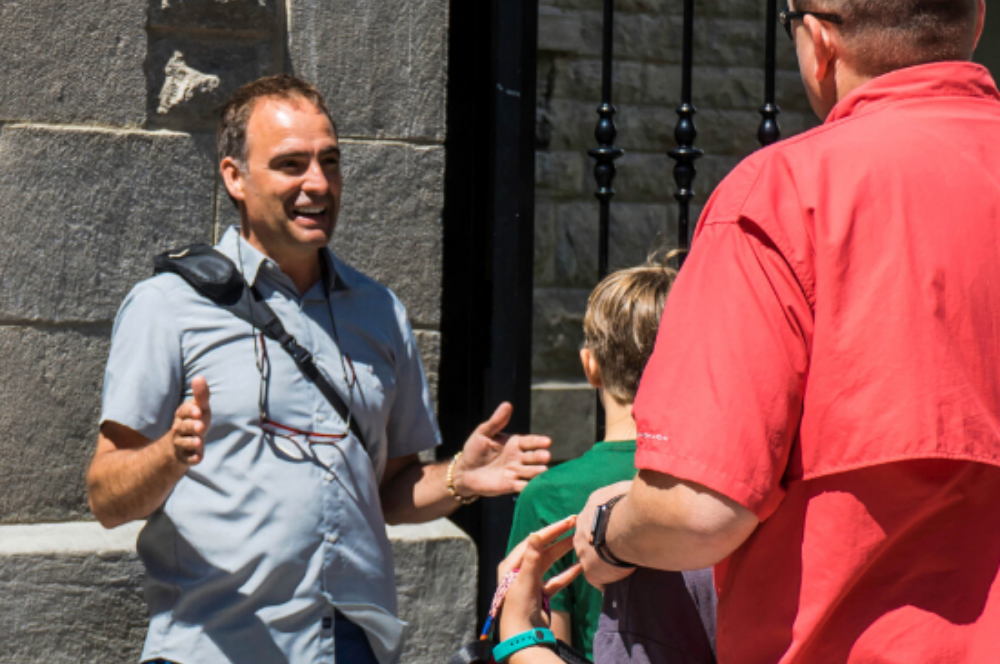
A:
x: 685, y: 154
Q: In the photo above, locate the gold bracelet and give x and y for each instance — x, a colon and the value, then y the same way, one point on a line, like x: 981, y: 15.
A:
x: 450, y: 484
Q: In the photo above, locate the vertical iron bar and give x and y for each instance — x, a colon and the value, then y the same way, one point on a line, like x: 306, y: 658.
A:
x: 769, y: 131
x: 685, y: 154
x: 605, y: 155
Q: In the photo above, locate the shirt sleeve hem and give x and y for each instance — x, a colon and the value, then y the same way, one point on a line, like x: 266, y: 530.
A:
x: 762, y: 505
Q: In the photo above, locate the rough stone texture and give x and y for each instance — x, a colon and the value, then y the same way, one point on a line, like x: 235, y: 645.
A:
x: 390, y: 221
x: 728, y: 88
x: 72, y: 593
x: 436, y: 572
x: 566, y: 413
x: 85, y: 211
x: 558, y: 333
x: 49, y: 406
x: 229, y: 15
x: 73, y: 62
x: 382, y: 65
x: 192, y: 76
x: 429, y: 343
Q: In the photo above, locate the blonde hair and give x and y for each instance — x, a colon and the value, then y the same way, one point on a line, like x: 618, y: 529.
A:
x: 623, y: 315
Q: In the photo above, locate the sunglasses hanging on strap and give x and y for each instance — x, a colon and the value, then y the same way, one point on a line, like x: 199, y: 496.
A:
x: 212, y: 274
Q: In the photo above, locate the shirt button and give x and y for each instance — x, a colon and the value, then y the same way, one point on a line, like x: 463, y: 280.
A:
x: 331, y: 538
x: 320, y: 417
x: 328, y: 478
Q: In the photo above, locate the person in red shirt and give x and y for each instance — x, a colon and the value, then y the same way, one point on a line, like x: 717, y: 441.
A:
x: 823, y: 424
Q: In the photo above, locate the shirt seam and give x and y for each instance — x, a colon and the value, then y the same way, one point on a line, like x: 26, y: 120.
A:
x: 758, y: 495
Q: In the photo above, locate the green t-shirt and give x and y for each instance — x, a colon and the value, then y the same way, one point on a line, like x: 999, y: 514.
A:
x: 553, y: 496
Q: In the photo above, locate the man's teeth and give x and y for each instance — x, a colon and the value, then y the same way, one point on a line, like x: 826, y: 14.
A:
x: 310, y: 210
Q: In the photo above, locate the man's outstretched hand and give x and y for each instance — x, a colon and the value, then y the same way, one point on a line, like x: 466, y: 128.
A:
x: 495, y: 463
x: 191, y: 422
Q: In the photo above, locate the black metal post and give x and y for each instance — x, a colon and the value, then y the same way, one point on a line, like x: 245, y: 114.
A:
x: 488, y: 243
x: 605, y: 155
x: 769, y: 131
x: 685, y: 154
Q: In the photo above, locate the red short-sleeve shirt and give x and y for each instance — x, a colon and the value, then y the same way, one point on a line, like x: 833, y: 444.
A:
x: 831, y: 360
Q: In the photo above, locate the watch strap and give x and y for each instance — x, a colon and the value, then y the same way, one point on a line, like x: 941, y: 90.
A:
x: 599, y: 536
x: 539, y: 636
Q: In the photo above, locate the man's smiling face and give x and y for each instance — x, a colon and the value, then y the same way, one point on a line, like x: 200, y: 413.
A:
x: 291, y: 180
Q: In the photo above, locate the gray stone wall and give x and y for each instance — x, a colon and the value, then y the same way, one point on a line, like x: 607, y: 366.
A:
x: 107, y: 117
x: 728, y: 92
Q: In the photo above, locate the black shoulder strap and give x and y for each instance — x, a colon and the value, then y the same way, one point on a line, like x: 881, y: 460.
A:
x: 215, y: 276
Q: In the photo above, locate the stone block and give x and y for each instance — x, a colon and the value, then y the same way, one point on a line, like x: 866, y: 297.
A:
x: 259, y: 16
x: 73, y: 62
x: 642, y: 37
x: 85, y: 211
x: 644, y: 177
x: 49, y: 407
x: 565, y: 412
x: 545, y: 243
x: 191, y: 77
x: 429, y: 344
x: 728, y: 132
x: 580, y: 78
x: 559, y: 30
x: 636, y: 231
x: 557, y: 333
x: 436, y: 577
x: 646, y: 128
x: 390, y: 221
x: 72, y: 592
x: 561, y: 174
x: 381, y: 65
x: 569, y: 124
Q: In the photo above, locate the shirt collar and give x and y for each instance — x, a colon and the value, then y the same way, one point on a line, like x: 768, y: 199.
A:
x: 938, y: 79
x: 235, y: 247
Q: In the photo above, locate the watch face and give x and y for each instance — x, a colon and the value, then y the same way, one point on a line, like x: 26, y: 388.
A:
x: 596, y: 524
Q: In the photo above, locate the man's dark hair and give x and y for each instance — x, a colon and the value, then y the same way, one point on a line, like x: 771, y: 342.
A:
x: 232, y: 134
x: 885, y: 35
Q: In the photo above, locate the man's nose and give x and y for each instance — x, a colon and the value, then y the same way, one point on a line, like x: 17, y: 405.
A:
x: 315, y: 182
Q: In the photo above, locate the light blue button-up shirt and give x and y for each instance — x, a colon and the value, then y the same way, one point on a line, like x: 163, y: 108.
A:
x: 254, y: 549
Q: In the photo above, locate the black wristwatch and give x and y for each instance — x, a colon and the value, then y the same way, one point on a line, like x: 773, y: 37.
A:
x: 599, y: 530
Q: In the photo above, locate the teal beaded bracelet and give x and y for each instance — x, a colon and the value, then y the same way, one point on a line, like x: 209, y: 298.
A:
x: 540, y: 636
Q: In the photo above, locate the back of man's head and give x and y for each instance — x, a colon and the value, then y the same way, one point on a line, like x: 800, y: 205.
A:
x: 885, y: 35
x: 620, y: 326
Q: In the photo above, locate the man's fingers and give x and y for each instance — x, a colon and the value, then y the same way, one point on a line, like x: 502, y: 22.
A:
x: 528, y: 443
x: 199, y: 389
x: 493, y: 426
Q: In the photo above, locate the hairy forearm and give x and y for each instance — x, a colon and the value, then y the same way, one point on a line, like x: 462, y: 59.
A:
x: 418, y: 494
x: 128, y: 484
x: 665, y: 523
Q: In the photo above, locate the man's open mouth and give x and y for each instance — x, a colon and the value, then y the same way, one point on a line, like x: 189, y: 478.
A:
x: 315, y: 213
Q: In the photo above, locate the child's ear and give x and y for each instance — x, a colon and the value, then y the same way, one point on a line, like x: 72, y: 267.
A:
x: 590, y: 368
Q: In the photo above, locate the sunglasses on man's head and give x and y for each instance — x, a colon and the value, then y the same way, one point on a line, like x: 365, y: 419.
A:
x: 787, y: 16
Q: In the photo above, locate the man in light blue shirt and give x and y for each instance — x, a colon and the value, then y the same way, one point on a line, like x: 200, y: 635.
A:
x: 265, y: 540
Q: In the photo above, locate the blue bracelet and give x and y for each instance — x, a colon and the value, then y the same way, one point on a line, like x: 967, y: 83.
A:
x: 540, y: 636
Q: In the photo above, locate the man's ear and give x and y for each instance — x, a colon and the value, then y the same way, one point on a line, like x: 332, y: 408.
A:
x: 980, y: 21
x: 590, y: 368
x: 824, y: 45
x: 233, y: 178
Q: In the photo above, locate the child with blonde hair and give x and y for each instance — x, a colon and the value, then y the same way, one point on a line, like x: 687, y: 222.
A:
x: 620, y: 326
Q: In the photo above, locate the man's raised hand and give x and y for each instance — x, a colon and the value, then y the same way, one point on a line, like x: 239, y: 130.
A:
x: 495, y: 463
x: 191, y: 422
